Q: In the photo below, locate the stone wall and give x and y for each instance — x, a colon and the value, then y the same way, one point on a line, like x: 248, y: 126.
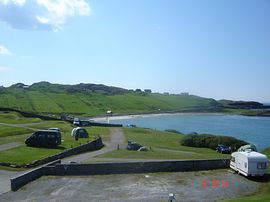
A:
x: 30, y: 114
x: 57, y: 169
x: 21, y: 180
x: 136, y: 167
x: 91, y: 146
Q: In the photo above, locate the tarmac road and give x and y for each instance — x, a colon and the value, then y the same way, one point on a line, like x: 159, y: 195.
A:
x: 149, y: 187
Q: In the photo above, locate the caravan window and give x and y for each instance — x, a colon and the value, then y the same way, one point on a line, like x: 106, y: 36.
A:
x: 261, y: 165
x: 233, y: 159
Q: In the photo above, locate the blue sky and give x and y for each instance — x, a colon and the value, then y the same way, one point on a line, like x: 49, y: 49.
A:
x: 218, y: 49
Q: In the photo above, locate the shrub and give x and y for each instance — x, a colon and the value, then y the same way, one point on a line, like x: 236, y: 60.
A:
x: 211, y: 141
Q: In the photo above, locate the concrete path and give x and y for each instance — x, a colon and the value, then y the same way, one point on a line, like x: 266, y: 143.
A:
x: 117, y: 138
x: 9, y: 146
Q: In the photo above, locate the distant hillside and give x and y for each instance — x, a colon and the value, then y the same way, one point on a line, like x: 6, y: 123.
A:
x: 242, y: 104
x: 93, y: 99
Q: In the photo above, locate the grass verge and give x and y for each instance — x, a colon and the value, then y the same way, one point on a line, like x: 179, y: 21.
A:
x: 164, y: 145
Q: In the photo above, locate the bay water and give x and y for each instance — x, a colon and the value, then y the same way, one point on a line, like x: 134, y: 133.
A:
x: 255, y: 130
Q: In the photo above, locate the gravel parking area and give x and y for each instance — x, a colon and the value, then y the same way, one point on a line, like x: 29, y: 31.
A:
x: 187, y: 186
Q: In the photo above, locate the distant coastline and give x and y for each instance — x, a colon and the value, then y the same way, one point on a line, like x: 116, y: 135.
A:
x: 145, y: 115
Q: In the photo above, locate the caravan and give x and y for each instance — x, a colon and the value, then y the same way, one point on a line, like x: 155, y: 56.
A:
x: 249, y: 163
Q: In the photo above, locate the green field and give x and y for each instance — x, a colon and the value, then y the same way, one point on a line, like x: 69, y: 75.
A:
x: 10, y: 131
x: 14, y: 117
x: 93, y: 100
x: 164, y: 145
x: 47, y: 101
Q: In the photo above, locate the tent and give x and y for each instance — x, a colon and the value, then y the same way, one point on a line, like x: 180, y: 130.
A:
x: 248, y: 147
x: 79, y: 132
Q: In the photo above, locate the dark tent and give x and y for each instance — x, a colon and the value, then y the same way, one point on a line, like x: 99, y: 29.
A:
x: 79, y: 132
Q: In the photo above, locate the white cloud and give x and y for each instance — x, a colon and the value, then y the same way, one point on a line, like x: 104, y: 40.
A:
x: 41, y: 14
x: 4, y: 51
x: 17, y: 2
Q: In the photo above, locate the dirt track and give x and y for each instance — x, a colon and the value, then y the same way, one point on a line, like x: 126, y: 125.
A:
x: 187, y: 186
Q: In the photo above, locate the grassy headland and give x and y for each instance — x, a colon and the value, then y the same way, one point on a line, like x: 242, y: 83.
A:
x: 93, y: 100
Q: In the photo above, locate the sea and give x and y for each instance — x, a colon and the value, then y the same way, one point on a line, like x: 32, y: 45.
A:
x: 255, y: 130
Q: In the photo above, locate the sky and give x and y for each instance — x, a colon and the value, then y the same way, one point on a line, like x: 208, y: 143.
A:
x: 216, y: 49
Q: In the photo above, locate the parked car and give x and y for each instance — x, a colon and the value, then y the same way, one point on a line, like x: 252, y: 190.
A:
x: 133, y: 146
x: 76, y: 122
x: 44, y: 138
x: 223, y: 149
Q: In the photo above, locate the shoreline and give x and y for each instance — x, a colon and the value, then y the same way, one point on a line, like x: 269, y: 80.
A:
x: 131, y: 116
x: 154, y: 114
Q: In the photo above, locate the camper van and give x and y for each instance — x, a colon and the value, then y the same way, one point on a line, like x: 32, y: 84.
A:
x: 249, y: 163
x: 44, y: 138
x: 76, y: 122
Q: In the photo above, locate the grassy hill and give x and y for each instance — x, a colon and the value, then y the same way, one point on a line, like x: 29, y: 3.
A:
x: 94, y: 99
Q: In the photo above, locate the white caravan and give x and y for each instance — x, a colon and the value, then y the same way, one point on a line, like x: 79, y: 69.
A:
x: 249, y: 163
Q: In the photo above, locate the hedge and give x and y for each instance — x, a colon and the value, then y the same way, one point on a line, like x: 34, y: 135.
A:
x: 211, y: 141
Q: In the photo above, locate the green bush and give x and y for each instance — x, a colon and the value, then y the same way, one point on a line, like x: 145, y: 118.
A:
x: 211, y: 141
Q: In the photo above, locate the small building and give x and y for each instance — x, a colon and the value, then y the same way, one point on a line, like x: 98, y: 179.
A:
x: 185, y: 94
x: 147, y: 90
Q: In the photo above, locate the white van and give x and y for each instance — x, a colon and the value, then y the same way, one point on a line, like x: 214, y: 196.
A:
x: 249, y: 163
x: 76, y: 122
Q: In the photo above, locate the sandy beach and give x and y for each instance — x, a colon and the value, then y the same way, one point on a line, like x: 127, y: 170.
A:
x: 121, y: 117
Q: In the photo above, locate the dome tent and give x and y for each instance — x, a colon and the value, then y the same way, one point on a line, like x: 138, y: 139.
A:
x: 79, y: 132
x: 250, y: 147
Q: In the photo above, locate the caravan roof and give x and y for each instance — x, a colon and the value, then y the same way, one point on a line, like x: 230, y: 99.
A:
x: 252, y: 155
